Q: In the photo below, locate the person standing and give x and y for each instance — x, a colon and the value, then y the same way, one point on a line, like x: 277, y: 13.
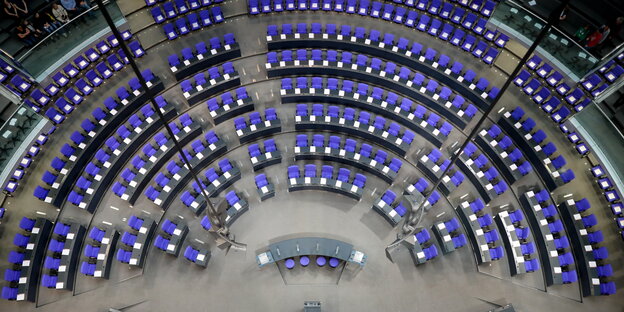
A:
x: 43, y: 20
x: 73, y: 8
x: 595, y: 38
x: 582, y: 33
x: 26, y: 34
x: 616, y: 28
x: 14, y: 10
x: 59, y: 13
x: 37, y: 33
x: 605, y: 30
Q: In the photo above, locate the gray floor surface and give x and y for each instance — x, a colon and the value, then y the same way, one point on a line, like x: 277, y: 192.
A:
x: 233, y: 282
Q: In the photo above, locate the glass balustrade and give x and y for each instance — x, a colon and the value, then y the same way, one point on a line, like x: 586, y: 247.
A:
x: 604, y: 139
x: 59, y: 46
x: 561, y: 50
x: 16, y: 135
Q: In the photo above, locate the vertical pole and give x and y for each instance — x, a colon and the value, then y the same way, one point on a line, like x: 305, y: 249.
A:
x: 412, y: 220
x: 221, y: 228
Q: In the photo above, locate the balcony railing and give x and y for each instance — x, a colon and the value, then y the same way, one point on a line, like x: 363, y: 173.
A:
x: 561, y: 50
x: 64, y: 42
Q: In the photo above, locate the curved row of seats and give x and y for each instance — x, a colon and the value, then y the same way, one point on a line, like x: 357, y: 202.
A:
x: 27, y: 260
x: 14, y: 81
x: 375, y: 128
x: 13, y: 181
x: 178, y: 8
x: 333, y: 148
x: 424, y: 248
x: 66, y: 106
x: 337, y: 181
x: 551, y: 237
x: 62, y: 258
x: 615, y: 204
x: 416, y: 57
x: 214, y: 80
x: 443, y: 8
x: 483, y: 175
x: 607, y: 74
x: 392, y: 208
x: 426, y: 23
x: 606, y: 185
x: 98, y: 251
x: 433, y: 164
x: 109, y: 160
x: 579, y: 145
x: 143, y: 167
x: 586, y: 246
x: 533, y: 143
x: 171, y: 236
x: 502, y: 151
x: 378, y: 100
x: 192, y: 22
x: 81, y: 149
x: 522, y: 253
x: 214, y: 181
x: 264, y: 155
x: 20, y: 85
x: 255, y: 125
x: 484, y: 238
x: 427, y: 124
x: 236, y: 206
x: 203, y: 55
x: 436, y: 7
x: 448, y: 235
x: 439, y: 98
x: 85, y: 73
x: 76, y: 155
x: 165, y: 187
x: 122, y: 93
x: 575, y: 97
x: 548, y: 102
x: 135, y: 241
x: 449, y: 183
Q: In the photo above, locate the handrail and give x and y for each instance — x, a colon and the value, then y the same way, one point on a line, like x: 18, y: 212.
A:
x: 554, y: 27
x: 602, y: 155
x: 93, y: 8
